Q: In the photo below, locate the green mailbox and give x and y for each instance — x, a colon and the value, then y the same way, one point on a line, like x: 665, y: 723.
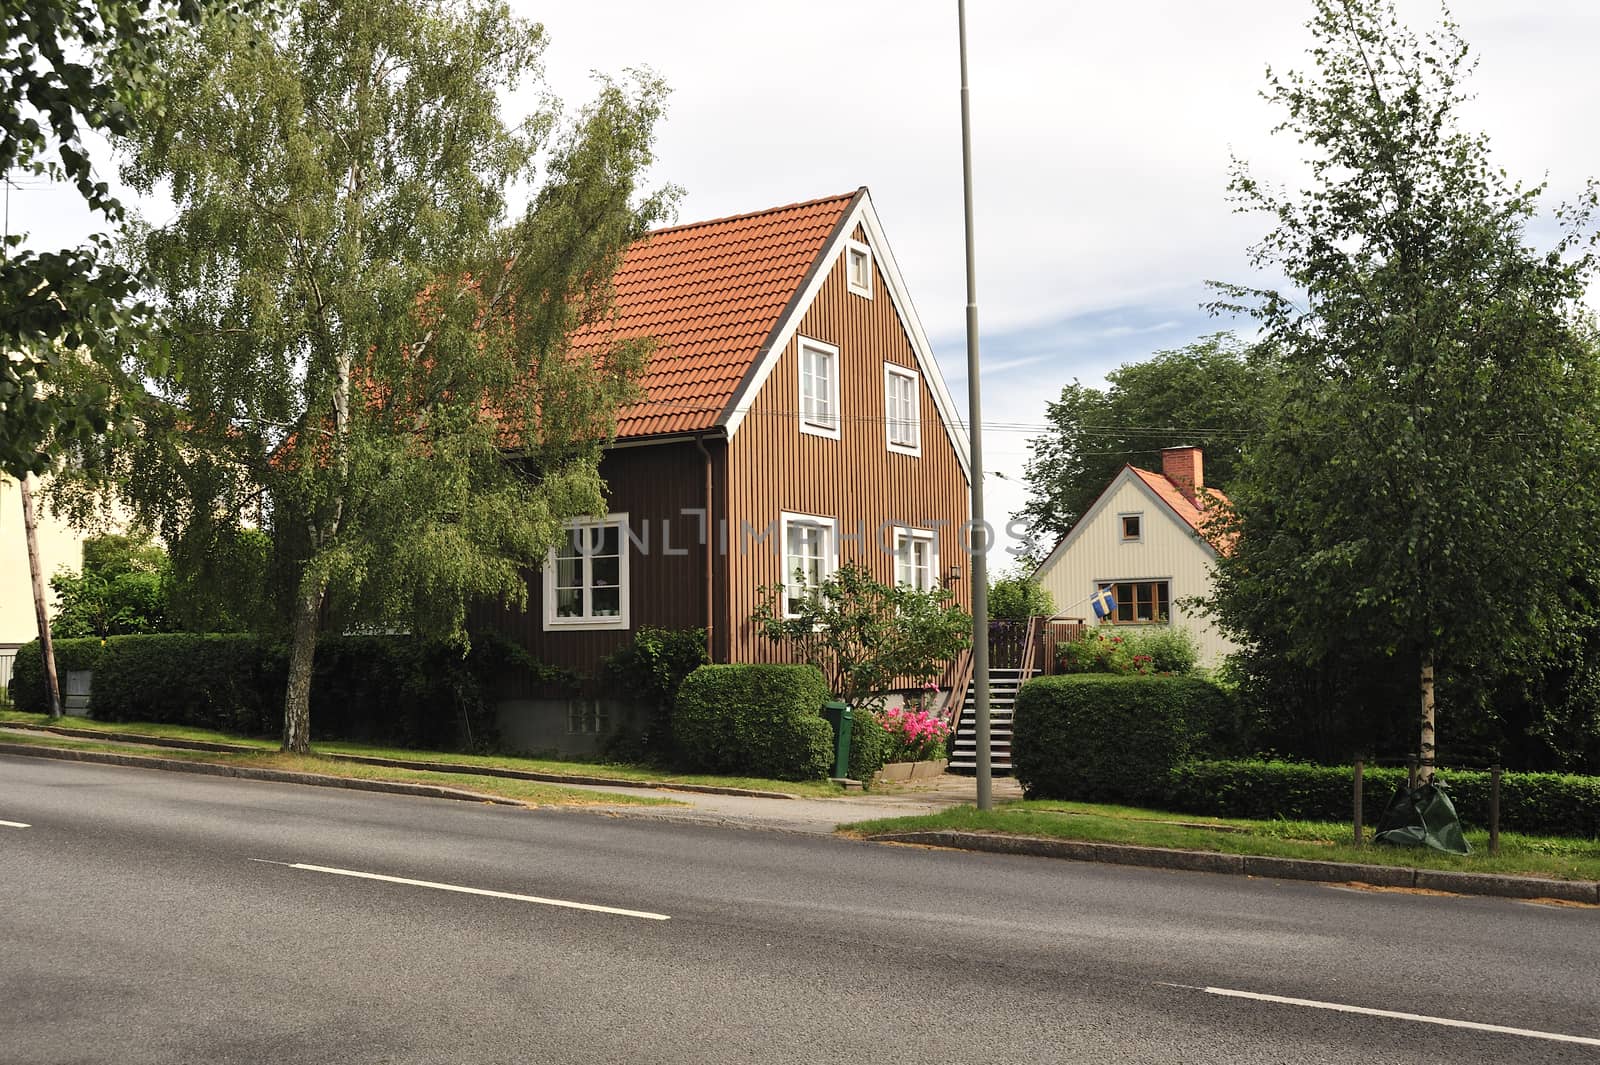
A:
x: 838, y: 715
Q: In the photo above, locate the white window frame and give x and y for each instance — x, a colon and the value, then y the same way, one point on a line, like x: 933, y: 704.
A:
x: 892, y: 371
x: 829, y: 427
x: 830, y: 550
x: 904, y: 536
x: 855, y: 247
x: 1122, y: 527
x: 588, y: 622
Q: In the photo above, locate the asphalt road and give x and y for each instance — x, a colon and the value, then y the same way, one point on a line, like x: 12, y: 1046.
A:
x: 153, y: 917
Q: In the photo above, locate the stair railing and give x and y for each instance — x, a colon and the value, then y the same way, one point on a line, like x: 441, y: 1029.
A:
x: 958, y: 694
x: 1029, y: 640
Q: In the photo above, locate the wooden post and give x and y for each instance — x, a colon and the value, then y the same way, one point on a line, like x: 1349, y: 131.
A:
x: 47, y: 651
x: 1494, y: 808
x: 1425, y: 749
x: 1411, y: 772
x: 1355, y: 801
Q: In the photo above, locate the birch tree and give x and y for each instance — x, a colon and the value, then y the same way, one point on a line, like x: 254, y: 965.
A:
x: 361, y: 342
x: 1424, y: 488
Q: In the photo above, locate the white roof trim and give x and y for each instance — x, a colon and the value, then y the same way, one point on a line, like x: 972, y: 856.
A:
x: 867, y: 217
x: 1099, y: 506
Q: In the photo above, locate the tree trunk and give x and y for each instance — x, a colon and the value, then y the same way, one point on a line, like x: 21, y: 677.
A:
x: 1425, y: 753
x: 47, y: 650
x: 297, y: 699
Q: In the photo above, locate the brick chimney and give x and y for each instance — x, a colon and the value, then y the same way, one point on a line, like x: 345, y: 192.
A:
x: 1185, y: 468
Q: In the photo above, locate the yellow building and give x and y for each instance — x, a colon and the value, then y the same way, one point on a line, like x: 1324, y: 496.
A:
x: 1144, y: 539
x: 59, y: 545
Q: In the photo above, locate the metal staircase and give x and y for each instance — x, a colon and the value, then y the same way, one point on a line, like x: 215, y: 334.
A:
x: 1003, y: 685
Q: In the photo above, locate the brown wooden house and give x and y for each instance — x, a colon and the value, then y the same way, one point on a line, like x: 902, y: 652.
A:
x: 793, y: 418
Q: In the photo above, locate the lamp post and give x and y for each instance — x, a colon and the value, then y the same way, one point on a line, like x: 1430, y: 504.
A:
x: 979, y: 541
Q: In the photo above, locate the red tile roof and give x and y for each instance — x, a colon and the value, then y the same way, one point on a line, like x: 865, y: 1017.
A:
x: 1195, y: 516
x: 710, y: 293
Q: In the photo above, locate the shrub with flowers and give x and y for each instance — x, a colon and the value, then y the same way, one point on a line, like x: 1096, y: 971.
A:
x: 1140, y: 650
x: 1096, y: 651
x: 914, y: 735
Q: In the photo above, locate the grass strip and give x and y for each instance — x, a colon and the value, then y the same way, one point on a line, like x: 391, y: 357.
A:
x: 534, y: 793
x: 554, y: 766
x: 1546, y: 856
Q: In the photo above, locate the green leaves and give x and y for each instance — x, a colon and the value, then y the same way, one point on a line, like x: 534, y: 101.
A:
x: 362, y: 340
x: 868, y: 638
x: 68, y: 67
x: 1216, y: 389
x: 1426, y: 479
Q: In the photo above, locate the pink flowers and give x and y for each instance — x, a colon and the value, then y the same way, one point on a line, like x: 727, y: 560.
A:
x: 917, y: 735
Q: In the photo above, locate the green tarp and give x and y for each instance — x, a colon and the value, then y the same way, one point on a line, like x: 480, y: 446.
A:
x: 1422, y: 817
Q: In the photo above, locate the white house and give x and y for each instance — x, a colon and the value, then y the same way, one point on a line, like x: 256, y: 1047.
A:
x: 1143, y: 537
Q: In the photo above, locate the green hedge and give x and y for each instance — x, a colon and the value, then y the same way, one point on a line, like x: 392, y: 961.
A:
x: 1106, y: 738
x: 391, y: 690
x: 210, y: 681
x: 28, y: 690
x: 1548, y: 804
x: 756, y: 720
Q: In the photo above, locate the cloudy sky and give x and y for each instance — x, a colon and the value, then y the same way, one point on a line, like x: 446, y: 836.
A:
x: 1102, y: 137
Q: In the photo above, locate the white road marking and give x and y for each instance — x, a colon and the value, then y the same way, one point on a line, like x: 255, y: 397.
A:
x: 14, y: 824
x: 1447, y: 1022
x: 563, y: 903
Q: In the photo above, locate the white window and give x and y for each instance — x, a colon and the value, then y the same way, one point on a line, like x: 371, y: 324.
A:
x: 916, y: 559
x: 901, y: 413
x: 586, y: 578
x: 1132, y: 528
x: 810, y: 555
x: 819, y: 388
x: 858, y: 268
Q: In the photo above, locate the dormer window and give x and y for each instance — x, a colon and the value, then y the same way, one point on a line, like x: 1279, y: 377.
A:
x: 858, y: 268
x: 1132, y: 528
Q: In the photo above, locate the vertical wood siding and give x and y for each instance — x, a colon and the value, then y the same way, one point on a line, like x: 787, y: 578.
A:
x: 654, y: 485
x: 774, y: 467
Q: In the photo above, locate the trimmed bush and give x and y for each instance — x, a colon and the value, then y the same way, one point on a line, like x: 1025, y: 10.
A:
x: 391, y: 690
x: 1106, y: 738
x: 28, y: 690
x: 1549, y: 804
x: 211, y: 681
x: 756, y: 720
x: 869, y: 746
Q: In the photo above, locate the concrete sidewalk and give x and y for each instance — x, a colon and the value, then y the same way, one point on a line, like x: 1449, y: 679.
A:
x: 814, y: 815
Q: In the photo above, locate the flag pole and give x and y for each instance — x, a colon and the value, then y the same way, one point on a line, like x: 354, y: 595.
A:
x: 979, y: 541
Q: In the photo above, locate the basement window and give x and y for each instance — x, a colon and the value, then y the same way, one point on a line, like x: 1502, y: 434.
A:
x: 587, y: 717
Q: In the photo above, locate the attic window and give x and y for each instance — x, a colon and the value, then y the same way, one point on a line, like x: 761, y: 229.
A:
x: 1132, y: 528
x: 858, y: 268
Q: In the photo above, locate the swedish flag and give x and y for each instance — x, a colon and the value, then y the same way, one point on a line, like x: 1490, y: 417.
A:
x: 1105, y: 603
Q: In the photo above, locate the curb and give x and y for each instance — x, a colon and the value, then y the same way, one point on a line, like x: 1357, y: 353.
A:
x: 1492, y: 884
x: 281, y: 776
x: 559, y: 778
x: 401, y: 763
x: 134, y: 737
